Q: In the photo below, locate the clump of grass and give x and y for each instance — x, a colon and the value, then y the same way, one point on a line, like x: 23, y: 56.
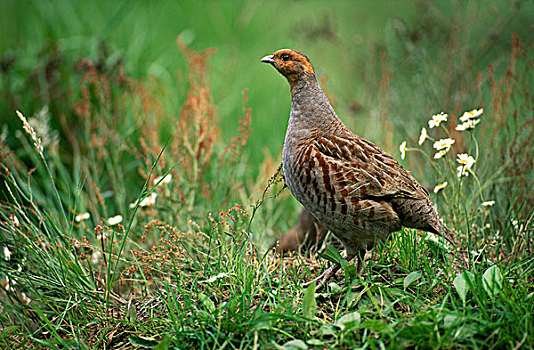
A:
x: 473, y: 187
x: 94, y: 258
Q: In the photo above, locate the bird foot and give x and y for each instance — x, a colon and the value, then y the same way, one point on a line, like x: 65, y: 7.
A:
x: 331, y: 271
x: 323, y: 278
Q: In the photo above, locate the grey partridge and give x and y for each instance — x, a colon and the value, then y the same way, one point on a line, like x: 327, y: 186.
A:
x: 358, y: 191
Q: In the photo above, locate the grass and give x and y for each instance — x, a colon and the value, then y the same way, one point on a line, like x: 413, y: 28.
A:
x: 139, y: 198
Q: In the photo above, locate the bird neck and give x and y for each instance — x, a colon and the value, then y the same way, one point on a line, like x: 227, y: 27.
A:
x: 309, y: 101
x: 302, y: 82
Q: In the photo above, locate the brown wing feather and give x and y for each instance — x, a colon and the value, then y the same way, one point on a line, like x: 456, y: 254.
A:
x: 364, y: 165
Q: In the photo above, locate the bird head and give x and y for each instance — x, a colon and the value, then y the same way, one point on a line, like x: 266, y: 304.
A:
x: 292, y: 64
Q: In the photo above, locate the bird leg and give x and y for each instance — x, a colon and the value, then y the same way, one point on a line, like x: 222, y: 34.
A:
x: 331, y: 271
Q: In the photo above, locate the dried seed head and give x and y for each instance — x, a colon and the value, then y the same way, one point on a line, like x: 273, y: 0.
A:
x: 30, y: 131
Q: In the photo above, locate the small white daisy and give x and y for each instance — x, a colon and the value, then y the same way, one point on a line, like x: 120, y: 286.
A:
x: 164, y: 180
x: 402, y: 149
x: 443, y: 143
x: 467, y: 125
x: 441, y: 186
x: 466, y: 162
x: 423, y: 136
x: 437, y: 119
x: 146, y: 202
x: 82, y: 216
x: 114, y: 220
x: 475, y: 113
x: 441, y: 153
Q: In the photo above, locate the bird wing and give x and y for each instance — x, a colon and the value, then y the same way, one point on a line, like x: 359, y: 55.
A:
x: 363, y: 170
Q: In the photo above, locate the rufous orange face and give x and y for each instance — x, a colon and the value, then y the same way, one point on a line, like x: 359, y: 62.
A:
x: 289, y: 63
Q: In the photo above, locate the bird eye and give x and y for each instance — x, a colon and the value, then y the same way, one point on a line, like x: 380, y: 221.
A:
x: 285, y: 57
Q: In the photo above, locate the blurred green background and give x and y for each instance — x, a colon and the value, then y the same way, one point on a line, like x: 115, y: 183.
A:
x: 144, y: 34
x: 344, y: 39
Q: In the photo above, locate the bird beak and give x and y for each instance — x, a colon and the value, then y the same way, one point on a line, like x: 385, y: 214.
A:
x: 268, y: 59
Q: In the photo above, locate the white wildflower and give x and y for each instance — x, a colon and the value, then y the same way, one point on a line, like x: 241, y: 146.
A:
x: 467, y: 125
x: 164, y: 180
x: 443, y: 143
x: 423, y: 136
x: 82, y: 216
x: 441, y: 153
x: 466, y: 162
x: 117, y: 219
x: 460, y: 171
x: 402, y: 149
x: 475, y: 113
x: 7, y: 253
x: 443, y: 147
x: 148, y: 201
x: 437, y: 119
x: 488, y: 203
x: 439, y: 187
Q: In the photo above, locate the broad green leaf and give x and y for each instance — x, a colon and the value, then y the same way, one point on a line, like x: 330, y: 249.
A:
x: 207, y: 302
x: 261, y: 326
x: 309, y: 305
x: 295, y: 344
x: 334, y: 288
x: 328, y: 329
x: 376, y: 325
x: 412, y: 277
x: 163, y: 345
x: 316, y: 342
x: 332, y: 254
x: 449, y: 320
x: 349, y: 320
x: 461, y: 284
x: 492, y: 281
x: 144, y: 342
